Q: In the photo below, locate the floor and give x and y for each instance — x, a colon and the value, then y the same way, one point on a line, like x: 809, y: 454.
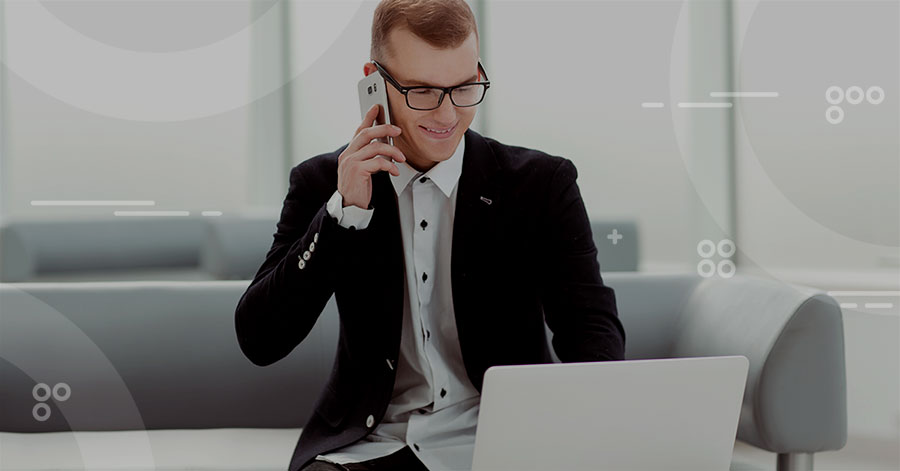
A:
x: 860, y: 454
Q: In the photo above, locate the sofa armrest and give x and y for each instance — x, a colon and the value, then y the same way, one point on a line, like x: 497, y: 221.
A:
x: 795, y: 399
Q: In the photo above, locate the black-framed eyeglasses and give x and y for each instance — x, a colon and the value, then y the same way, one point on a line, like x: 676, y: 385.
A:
x: 424, y: 98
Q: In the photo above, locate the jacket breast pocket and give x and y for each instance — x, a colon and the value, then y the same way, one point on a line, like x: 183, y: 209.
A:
x: 332, y: 409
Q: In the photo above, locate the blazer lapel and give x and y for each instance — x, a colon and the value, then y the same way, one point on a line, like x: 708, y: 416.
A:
x: 388, y: 254
x: 477, y: 201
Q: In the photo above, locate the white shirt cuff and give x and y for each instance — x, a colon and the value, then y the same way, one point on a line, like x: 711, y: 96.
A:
x: 351, y: 215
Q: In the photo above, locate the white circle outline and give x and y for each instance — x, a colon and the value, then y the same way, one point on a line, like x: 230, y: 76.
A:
x: 729, y: 263
x: 838, y: 100
x: 869, y: 91
x: 34, y: 411
x: 724, y: 242
x: 710, y: 264
x: 712, y: 248
x: 60, y: 397
x: 855, y: 89
x: 34, y: 391
x: 836, y: 120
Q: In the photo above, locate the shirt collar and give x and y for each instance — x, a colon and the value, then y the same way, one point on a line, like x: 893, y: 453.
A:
x: 445, y: 174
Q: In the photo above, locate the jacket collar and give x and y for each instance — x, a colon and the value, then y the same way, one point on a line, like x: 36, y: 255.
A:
x: 475, y: 180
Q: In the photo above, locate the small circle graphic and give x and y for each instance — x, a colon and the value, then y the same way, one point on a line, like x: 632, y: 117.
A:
x: 38, y: 415
x: 706, y: 268
x: 60, y: 396
x: 834, y: 95
x: 726, y: 268
x: 855, y: 95
x: 874, y: 91
x: 834, y: 114
x: 706, y: 248
x: 41, y: 392
x: 726, y: 248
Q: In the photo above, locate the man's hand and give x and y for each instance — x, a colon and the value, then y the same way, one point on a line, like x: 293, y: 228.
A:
x: 360, y: 160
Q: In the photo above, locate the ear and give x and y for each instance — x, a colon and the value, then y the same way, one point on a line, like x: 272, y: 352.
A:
x: 368, y: 68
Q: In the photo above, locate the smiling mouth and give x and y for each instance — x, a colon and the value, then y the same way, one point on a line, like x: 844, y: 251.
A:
x: 439, y: 131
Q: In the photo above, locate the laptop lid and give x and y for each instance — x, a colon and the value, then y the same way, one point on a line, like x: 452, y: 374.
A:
x: 634, y: 415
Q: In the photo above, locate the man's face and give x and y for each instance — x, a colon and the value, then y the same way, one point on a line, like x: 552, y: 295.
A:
x: 412, y: 61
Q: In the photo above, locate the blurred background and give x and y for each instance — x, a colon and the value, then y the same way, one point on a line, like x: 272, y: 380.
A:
x: 711, y: 136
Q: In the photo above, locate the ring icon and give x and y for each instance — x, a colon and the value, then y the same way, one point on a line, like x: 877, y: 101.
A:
x: 871, y: 92
x: 854, y: 95
x: 832, y: 90
x: 707, y: 249
x: 42, y: 392
x: 36, y: 392
x: 38, y: 415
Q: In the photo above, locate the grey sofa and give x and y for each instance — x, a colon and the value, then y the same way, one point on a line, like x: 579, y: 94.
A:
x: 230, y: 247
x: 148, y: 375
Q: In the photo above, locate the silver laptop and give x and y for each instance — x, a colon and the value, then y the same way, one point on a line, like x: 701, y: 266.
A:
x: 636, y: 415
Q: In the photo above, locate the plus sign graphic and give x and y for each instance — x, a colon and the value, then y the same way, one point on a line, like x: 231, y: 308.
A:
x: 614, y: 236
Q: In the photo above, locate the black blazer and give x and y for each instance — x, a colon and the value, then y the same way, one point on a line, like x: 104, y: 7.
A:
x: 522, y: 252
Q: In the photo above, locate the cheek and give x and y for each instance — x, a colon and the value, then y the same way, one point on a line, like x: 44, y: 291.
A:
x: 466, y: 116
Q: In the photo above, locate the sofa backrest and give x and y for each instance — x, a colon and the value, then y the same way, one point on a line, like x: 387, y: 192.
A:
x: 146, y: 355
x: 31, y: 248
x: 151, y: 355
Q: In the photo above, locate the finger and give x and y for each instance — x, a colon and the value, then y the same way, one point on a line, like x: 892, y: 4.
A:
x: 378, y: 164
x: 373, y: 135
x: 379, y: 131
x: 377, y: 148
x: 369, y: 118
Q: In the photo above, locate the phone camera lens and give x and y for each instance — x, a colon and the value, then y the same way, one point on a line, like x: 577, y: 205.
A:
x: 370, y: 89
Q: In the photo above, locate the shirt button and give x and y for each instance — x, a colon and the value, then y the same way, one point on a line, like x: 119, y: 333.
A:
x: 301, y: 265
x: 352, y: 228
x: 424, y: 277
x: 427, y: 334
x: 370, y: 421
x: 312, y: 246
x: 424, y: 224
x: 306, y: 255
x: 422, y: 180
x: 443, y: 392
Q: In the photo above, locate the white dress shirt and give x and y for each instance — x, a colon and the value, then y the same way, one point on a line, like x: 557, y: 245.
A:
x: 434, y: 406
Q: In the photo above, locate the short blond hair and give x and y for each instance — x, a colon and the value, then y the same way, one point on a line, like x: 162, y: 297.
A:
x: 440, y: 23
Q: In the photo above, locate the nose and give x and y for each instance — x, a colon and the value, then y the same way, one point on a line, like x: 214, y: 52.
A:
x: 446, y: 113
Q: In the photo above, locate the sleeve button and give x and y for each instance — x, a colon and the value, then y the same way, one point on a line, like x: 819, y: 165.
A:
x: 306, y: 255
x: 370, y: 421
x: 301, y: 264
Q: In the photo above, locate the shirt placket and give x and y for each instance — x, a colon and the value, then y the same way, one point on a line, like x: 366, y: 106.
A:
x: 424, y: 260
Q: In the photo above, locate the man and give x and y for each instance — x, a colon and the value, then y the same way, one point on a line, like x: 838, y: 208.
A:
x: 442, y: 264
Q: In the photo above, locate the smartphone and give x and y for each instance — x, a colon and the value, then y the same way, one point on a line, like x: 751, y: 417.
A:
x: 372, y: 90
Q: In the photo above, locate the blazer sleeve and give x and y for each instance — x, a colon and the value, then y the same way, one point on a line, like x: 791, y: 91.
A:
x: 579, y: 309
x: 283, y: 302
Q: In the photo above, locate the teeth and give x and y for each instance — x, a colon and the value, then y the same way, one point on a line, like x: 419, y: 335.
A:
x: 439, y: 132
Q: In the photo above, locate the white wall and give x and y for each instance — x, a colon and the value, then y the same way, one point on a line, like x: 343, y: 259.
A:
x: 819, y: 203
x: 813, y: 195
x: 569, y: 78
x: 100, y: 106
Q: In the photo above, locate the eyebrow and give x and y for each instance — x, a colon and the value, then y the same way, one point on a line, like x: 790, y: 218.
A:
x: 417, y: 83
